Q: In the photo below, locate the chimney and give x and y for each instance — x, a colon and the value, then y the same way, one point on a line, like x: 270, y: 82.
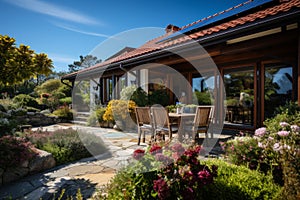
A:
x: 171, y: 28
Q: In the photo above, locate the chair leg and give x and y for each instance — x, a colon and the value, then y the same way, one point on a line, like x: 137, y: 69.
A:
x: 144, y: 137
x: 139, y: 136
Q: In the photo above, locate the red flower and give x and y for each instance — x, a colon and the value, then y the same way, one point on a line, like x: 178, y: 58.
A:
x: 138, y: 154
x: 155, y: 149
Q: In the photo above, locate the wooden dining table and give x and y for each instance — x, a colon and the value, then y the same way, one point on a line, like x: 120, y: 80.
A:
x: 178, y: 118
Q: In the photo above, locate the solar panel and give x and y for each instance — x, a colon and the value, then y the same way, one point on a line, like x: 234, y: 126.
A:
x: 225, y: 15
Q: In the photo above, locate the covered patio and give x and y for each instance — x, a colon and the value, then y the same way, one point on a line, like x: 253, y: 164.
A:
x: 244, y: 61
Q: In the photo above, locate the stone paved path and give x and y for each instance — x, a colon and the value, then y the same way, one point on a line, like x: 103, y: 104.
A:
x: 88, y: 174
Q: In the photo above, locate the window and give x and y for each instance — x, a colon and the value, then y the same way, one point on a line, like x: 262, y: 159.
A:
x: 203, y: 88
x: 278, y: 87
x: 239, y: 87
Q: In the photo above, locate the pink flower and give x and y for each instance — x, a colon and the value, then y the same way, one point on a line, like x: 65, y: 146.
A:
x: 295, y: 128
x: 138, y: 154
x: 162, y: 158
x: 205, y: 177
x: 260, y: 132
x: 178, y: 148
x: 284, y: 124
x: 283, y: 133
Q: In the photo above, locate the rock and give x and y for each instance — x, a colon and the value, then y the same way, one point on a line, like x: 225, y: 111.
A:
x: 42, y: 161
x: 13, y: 174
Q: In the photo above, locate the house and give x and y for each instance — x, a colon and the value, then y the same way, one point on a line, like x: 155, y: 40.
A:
x: 244, y: 60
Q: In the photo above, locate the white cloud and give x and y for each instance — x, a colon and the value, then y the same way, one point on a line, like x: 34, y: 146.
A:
x: 61, y: 58
x: 81, y: 31
x: 53, y: 10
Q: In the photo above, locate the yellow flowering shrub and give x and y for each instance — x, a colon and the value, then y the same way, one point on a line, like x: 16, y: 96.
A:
x: 121, y: 111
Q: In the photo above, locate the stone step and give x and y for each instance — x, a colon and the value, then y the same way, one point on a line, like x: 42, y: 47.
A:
x: 84, y: 123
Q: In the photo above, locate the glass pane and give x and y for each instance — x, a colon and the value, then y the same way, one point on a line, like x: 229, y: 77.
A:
x: 239, y: 86
x: 278, y: 87
x: 203, y: 88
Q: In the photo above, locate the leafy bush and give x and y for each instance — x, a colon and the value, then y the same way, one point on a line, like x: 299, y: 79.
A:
x: 65, y: 101
x: 170, y: 172
x: 274, y: 147
x: 239, y: 182
x: 67, y: 145
x: 122, y: 112
x: 53, y: 93
x: 159, y: 96
x: 8, y: 123
x: 176, y: 172
x: 97, y: 117
x: 283, y: 145
x: 14, y: 151
x: 64, y: 112
x: 202, y: 98
x: 24, y: 100
x: 244, y: 151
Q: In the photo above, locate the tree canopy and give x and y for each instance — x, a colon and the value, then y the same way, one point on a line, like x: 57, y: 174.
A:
x: 18, y: 64
x: 84, y: 62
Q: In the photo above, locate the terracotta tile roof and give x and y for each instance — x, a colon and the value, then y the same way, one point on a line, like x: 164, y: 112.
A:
x: 152, y: 45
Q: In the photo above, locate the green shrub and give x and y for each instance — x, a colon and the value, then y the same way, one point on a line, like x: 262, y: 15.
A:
x: 244, y: 151
x: 169, y: 172
x: 65, y: 101
x: 64, y: 112
x: 203, y: 98
x: 67, y: 145
x: 97, y: 117
x: 24, y: 100
x: 239, y: 182
x: 178, y: 177
x: 159, y: 96
x: 8, y: 123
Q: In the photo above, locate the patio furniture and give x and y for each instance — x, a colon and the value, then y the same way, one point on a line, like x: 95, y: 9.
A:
x: 201, y: 121
x: 161, y: 122
x: 144, y: 122
x: 182, y: 120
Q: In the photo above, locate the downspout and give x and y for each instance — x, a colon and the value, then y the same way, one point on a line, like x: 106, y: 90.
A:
x: 71, y: 86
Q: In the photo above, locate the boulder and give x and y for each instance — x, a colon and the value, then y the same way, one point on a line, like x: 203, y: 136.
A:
x: 42, y: 161
x: 13, y: 174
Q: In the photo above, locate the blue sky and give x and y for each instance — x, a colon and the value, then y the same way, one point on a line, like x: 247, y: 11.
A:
x: 67, y: 29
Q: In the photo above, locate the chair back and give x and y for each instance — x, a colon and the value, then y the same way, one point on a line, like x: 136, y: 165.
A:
x: 202, y: 117
x: 160, y: 117
x: 143, y: 115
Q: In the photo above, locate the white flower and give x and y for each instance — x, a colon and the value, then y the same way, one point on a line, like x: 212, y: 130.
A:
x: 277, y: 147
